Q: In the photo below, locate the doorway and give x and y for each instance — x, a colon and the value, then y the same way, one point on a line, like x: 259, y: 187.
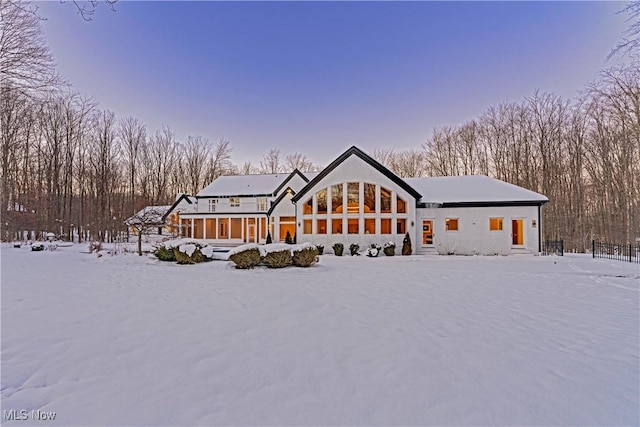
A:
x: 427, y: 232
x: 517, y: 232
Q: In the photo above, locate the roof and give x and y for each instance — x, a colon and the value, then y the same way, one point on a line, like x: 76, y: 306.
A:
x: 472, y: 189
x: 248, y: 185
x: 149, y: 214
x: 180, y: 197
x: 355, y: 151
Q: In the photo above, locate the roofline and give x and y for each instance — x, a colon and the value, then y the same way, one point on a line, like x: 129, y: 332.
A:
x: 295, y: 171
x: 279, y: 199
x: 368, y: 159
x: 488, y: 204
x: 183, y: 196
x: 234, y: 195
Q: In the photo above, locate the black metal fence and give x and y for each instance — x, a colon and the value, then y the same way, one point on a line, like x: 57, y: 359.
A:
x: 552, y: 247
x: 628, y: 252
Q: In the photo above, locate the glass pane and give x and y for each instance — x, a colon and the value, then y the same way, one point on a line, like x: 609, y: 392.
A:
x: 236, y: 228
x: 451, y: 224
x: 308, y: 207
x: 369, y: 198
x: 369, y: 226
x: 321, y: 226
x: 321, y: 198
x: 385, y: 226
x: 385, y: 200
x: 353, y: 197
x: 336, y: 199
x: 336, y: 226
x: 401, y: 226
x: 401, y: 206
x: 353, y: 224
x: 307, y: 226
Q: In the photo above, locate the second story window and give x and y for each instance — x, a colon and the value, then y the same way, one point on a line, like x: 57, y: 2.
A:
x: 234, y: 202
x: 212, y: 205
x: 262, y: 204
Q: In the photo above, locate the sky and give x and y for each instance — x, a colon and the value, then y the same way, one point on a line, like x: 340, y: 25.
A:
x: 319, y: 77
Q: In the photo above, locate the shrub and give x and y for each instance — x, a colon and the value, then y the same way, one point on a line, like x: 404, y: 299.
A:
x: 164, y: 254
x: 373, y: 250
x: 197, y: 255
x: 320, y: 249
x: 95, y: 247
x: 246, y: 259
x: 354, y: 248
x: 278, y: 259
x: 338, y: 248
x: 305, y: 257
x: 181, y: 257
x: 269, y: 240
x: 389, y: 249
x: 406, y: 245
x: 287, y: 239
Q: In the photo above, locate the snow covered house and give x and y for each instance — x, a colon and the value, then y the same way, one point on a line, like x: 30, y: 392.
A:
x: 355, y: 199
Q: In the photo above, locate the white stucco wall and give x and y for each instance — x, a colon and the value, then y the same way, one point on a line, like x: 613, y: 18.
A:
x: 474, y: 236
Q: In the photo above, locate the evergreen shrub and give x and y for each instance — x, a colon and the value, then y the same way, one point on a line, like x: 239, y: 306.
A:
x: 338, y: 248
x: 406, y: 245
x: 246, y: 259
x: 354, y: 248
x: 320, y: 249
x: 305, y: 257
x: 278, y: 259
x: 389, y: 249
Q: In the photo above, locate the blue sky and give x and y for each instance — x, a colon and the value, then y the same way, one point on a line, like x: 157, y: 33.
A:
x: 318, y: 77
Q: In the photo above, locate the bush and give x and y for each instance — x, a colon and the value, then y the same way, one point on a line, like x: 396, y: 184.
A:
x: 164, y: 254
x: 338, y: 248
x: 406, y: 245
x: 320, y: 249
x: 354, y: 248
x: 181, y: 257
x: 246, y: 259
x: 288, y: 239
x: 373, y: 251
x: 278, y: 259
x: 197, y: 255
x: 305, y: 257
x: 389, y: 249
x: 95, y: 247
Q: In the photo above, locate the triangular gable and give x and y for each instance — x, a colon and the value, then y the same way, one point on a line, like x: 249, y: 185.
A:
x: 176, y: 203
x: 279, y: 199
x: 369, y: 160
x: 291, y: 175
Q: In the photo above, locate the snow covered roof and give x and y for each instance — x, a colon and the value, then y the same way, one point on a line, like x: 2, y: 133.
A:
x: 246, y: 185
x: 471, y: 189
x: 150, y: 214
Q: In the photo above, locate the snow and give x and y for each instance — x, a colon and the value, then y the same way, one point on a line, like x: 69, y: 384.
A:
x: 150, y: 214
x: 470, y: 188
x: 417, y: 340
x: 239, y: 185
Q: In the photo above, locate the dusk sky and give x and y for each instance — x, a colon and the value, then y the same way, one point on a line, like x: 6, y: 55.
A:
x: 315, y: 77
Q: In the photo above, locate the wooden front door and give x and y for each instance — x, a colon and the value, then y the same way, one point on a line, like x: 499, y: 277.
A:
x: 517, y: 232
x: 427, y: 232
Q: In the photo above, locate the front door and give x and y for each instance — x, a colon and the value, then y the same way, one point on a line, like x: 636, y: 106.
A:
x: 517, y: 232
x: 427, y: 232
x: 251, y: 229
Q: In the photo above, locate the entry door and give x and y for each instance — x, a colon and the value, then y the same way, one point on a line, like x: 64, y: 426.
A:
x: 517, y: 232
x: 427, y: 232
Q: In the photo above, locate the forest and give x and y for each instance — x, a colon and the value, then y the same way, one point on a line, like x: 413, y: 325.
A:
x: 70, y: 167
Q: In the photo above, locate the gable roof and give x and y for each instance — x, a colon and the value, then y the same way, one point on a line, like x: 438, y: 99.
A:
x: 472, y: 190
x: 249, y: 185
x: 189, y: 199
x: 282, y: 195
x: 355, y: 151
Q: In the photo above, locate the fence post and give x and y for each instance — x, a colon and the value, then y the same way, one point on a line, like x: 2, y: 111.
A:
x: 593, y: 248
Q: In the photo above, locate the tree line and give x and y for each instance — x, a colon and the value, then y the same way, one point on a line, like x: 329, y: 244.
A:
x: 69, y: 165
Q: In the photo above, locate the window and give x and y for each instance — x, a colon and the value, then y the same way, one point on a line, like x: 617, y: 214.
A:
x: 353, y: 225
x: 385, y: 226
x: 336, y: 198
x: 369, y: 226
x: 212, y: 205
x: 262, y: 204
x: 308, y: 207
x: 287, y: 223
x: 307, y: 226
x: 321, y: 226
x: 451, y: 224
x: 336, y: 226
x: 369, y: 198
x: 223, y: 228
x: 321, y: 200
x: 353, y: 197
x: 401, y: 226
x: 236, y: 228
x: 234, y: 202
x: 385, y: 200
x: 495, y: 224
x: 401, y: 206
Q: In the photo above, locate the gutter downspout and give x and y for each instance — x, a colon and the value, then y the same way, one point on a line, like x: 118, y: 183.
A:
x: 539, y: 230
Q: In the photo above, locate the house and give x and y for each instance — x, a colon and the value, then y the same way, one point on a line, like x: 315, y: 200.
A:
x: 355, y: 199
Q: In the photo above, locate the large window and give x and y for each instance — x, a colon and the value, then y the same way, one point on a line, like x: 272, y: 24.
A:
x: 353, y: 197
x: 401, y: 206
x: 336, y: 198
x: 287, y: 223
x: 451, y: 224
x: 369, y: 198
x: 385, y: 200
x: 495, y: 224
x: 321, y: 200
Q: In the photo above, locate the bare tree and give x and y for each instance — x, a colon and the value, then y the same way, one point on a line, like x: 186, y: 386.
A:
x: 133, y: 135
x: 219, y: 160
x: 270, y: 163
x: 196, y: 153
x: 145, y: 221
x: 631, y: 36
x: 298, y: 161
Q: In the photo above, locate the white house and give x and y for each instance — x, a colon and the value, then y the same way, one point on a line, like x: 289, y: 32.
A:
x: 357, y: 200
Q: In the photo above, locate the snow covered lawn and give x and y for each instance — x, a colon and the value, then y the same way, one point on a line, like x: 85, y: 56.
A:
x: 421, y: 340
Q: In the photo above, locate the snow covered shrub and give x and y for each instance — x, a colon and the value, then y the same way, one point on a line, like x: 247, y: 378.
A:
x: 278, y: 259
x: 182, y: 257
x: 354, y: 248
x: 95, y: 247
x: 37, y: 247
x: 406, y: 245
x: 246, y: 259
x: 164, y: 254
x: 338, y: 248
x: 320, y: 249
x: 288, y: 239
x: 389, y: 249
x: 305, y: 257
x: 373, y: 250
